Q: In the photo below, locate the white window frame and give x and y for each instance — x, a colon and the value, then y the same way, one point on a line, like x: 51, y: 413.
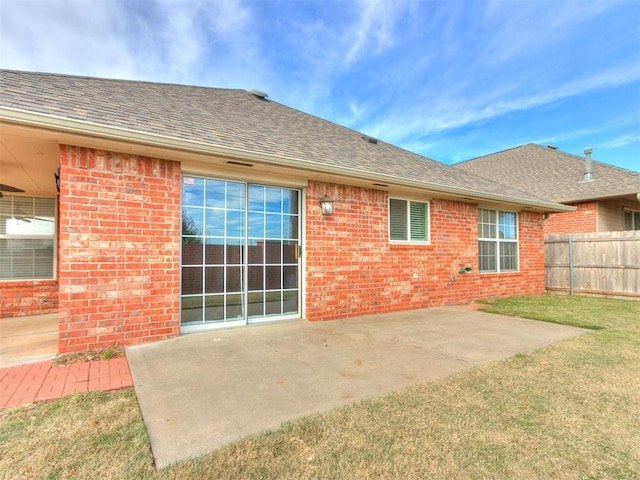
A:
x: 635, y: 225
x: 408, y: 239
x: 498, y: 241
x: 21, y: 237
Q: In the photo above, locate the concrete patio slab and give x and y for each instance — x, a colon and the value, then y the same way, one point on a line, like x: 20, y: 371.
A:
x: 199, y: 392
x: 28, y: 339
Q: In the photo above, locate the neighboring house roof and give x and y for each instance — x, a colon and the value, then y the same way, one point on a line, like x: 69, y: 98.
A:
x: 549, y: 173
x: 230, y: 122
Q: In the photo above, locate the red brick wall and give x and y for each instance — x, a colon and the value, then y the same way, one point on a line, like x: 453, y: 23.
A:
x: 33, y: 297
x: 582, y: 220
x: 352, y: 269
x: 119, y: 249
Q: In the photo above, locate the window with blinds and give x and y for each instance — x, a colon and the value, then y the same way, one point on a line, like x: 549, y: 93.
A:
x: 27, y: 237
x: 408, y: 221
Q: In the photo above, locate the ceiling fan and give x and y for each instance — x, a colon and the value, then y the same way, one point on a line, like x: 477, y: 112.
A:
x: 9, y: 188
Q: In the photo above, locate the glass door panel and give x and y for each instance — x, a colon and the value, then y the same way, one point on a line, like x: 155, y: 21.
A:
x: 213, y: 238
x: 272, y: 240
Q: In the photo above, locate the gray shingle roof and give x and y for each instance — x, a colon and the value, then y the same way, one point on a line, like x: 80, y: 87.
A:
x: 229, y: 118
x: 550, y: 173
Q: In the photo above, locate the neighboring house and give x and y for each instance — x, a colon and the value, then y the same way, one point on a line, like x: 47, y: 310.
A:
x: 185, y: 208
x: 606, y: 198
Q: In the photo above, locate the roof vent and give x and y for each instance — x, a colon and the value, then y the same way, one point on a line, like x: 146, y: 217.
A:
x: 259, y: 94
x: 552, y: 147
x: 588, y: 173
x: 370, y: 139
x: 241, y: 164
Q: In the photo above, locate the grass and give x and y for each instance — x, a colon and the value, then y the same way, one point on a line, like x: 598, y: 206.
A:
x: 570, y: 411
x: 586, y: 312
x: 88, y: 435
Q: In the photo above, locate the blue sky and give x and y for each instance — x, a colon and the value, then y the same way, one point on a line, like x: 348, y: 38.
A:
x: 451, y: 80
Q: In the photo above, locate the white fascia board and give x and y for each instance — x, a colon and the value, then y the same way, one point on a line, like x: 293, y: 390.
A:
x: 93, y: 130
x: 604, y: 196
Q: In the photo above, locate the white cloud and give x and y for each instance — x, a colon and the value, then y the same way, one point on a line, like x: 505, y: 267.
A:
x: 163, y: 40
x: 374, y: 29
x: 416, y: 73
x: 356, y: 113
x: 517, y: 27
x: 450, y: 112
x: 517, y: 57
x: 69, y: 37
x: 622, y: 141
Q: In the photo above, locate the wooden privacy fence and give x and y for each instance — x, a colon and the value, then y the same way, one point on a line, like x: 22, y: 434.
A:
x: 606, y: 263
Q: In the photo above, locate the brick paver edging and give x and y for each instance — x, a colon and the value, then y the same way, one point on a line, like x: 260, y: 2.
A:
x: 36, y: 382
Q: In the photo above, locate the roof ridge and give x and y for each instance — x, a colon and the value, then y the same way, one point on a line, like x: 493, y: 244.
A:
x: 119, y: 80
x: 547, y: 149
x: 493, y: 153
x: 581, y: 158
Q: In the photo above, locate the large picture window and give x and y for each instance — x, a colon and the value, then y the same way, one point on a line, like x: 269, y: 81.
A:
x: 497, y: 241
x: 408, y: 221
x: 27, y: 236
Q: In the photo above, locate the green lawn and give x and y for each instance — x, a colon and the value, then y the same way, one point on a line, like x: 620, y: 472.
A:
x: 570, y: 411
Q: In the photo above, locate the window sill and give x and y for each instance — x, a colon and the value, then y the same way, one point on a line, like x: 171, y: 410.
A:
x: 410, y: 244
x: 510, y: 272
x: 12, y: 281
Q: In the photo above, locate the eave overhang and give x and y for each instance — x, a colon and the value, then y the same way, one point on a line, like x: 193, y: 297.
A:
x: 630, y: 192
x: 88, y: 130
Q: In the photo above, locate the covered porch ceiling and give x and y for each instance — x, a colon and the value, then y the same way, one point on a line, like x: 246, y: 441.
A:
x: 28, y: 161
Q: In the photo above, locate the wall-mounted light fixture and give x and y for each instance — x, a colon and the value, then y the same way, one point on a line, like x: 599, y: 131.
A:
x: 56, y: 175
x: 326, y: 205
x: 466, y: 269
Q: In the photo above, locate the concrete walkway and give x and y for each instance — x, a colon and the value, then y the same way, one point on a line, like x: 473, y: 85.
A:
x: 199, y: 392
x: 28, y: 339
x: 25, y: 378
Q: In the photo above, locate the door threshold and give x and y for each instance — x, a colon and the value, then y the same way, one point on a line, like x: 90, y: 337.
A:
x: 207, y: 327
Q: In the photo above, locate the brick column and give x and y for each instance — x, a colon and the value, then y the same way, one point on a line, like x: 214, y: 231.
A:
x: 119, y: 249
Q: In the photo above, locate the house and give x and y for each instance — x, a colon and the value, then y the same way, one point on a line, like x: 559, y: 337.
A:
x: 606, y: 198
x: 176, y: 209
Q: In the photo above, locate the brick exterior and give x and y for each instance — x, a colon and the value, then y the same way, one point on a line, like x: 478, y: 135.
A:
x: 33, y: 297
x: 119, y: 253
x: 582, y: 220
x: 119, y: 249
x: 352, y: 269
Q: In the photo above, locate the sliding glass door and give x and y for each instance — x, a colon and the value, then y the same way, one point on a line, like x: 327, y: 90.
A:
x: 239, y: 253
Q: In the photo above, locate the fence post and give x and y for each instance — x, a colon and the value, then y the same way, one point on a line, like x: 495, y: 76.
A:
x: 570, y: 248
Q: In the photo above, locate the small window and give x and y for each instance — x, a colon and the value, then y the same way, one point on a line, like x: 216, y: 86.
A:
x: 27, y: 236
x: 408, y: 221
x: 631, y: 219
x: 497, y: 241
